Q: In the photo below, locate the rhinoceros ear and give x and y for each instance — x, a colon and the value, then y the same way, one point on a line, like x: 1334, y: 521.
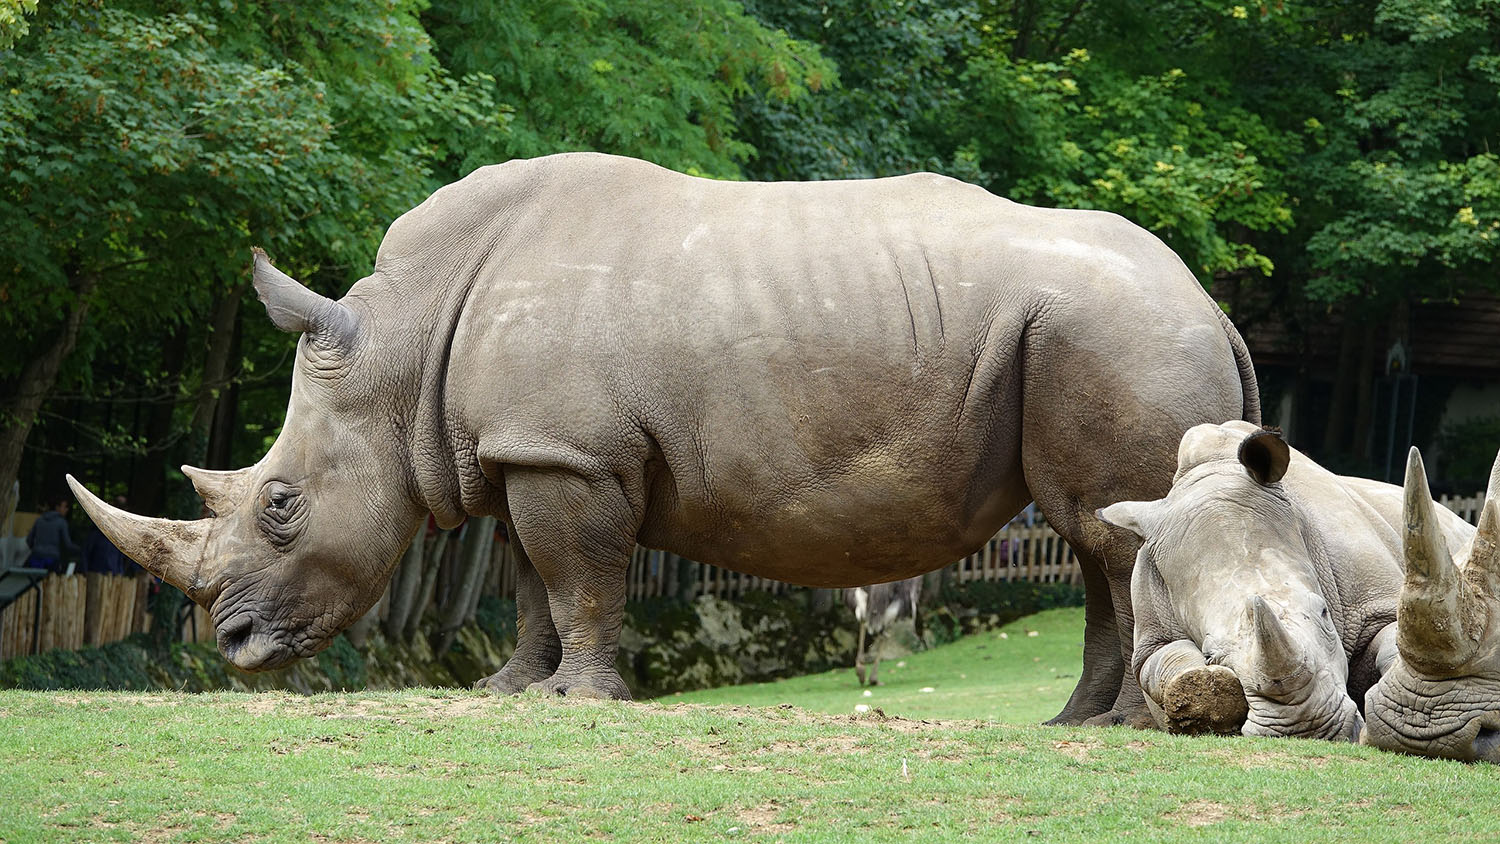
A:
x: 1135, y: 516
x: 295, y: 308
x: 1265, y: 455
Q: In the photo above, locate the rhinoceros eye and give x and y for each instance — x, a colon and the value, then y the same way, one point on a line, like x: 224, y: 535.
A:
x: 283, y: 514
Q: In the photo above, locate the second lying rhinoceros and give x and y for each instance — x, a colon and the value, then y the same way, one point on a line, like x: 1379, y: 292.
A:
x: 1266, y: 589
x: 1441, y: 694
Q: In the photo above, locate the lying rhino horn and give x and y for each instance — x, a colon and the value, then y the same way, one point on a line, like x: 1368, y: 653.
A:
x: 295, y: 308
x: 168, y: 549
x: 1281, y: 660
x: 221, y: 491
x: 1483, y: 570
x: 1436, y: 611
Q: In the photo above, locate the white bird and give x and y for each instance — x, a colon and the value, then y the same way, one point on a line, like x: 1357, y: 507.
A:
x: 876, y: 608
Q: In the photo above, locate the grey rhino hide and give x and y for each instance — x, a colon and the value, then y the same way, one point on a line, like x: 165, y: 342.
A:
x: 830, y: 383
x: 1441, y: 697
x: 1265, y: 605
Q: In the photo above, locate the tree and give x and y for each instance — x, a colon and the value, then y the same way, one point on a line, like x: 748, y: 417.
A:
x: 143, y: 153
x: 654, y: 79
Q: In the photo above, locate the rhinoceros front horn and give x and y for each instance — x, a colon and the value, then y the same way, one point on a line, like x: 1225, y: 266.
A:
x: 169, y: 549
x: 295, y: 308
x: 1280, y: 658
x: 1438, y: 615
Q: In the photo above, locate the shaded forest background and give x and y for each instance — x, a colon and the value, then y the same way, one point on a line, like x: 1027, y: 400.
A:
x: 1337, y: 160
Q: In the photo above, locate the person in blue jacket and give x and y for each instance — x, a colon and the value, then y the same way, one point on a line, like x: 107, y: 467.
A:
x: 48, y: 539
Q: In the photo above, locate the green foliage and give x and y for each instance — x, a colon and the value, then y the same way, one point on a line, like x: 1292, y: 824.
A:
x: 13, y: 24
x: 898, y: 65
x: 652, y: 79
x: 1467, y: 451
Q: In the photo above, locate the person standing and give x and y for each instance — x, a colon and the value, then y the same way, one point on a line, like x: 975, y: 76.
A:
x: 48, y: 539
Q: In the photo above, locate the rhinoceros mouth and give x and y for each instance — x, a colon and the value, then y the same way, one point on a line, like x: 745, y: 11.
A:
x: 250, y: 648
x: 1335, y: 717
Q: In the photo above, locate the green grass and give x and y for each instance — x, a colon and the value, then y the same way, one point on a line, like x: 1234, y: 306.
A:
x: 1020, y: 674
x: 441, y: 765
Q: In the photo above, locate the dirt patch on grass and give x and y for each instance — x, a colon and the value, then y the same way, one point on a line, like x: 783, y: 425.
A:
x: 1200, y: 813
x: 764, y: 818
x: 1077, y: 750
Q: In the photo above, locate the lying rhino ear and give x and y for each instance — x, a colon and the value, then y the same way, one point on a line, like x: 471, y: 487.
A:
x: 1265, y: 455
x: 295, y: 308
x: 1134, y: 516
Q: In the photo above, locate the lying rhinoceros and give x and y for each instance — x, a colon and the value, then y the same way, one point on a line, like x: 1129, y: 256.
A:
x: 1266, y: 583
x: 829, y: 383
x: 1441, y: 695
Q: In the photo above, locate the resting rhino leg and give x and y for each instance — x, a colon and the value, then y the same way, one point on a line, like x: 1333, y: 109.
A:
x: 579, y: 535
x: 1187, y: 695
x: 538, y: 650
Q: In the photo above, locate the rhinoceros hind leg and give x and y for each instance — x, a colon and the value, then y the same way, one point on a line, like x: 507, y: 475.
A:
x: 1099, y: 683
x: 1208, y: 699
x: 538, y: 650
x: 578, y: 533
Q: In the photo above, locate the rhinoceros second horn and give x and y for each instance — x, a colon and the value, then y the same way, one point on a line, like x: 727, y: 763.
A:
x: 220, y: 490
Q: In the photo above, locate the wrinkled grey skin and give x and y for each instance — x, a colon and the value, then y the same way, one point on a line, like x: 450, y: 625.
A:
x: 1441, y: 695
x: 1265, y: 583
x: 831, y: 384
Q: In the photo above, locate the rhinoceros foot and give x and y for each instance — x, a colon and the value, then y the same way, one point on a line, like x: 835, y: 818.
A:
x: 1138, y: 717
x: 593, y: 685
x: 506, y: 682
x: 1208, y: 699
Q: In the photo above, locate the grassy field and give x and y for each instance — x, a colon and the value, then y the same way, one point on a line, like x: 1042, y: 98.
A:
x: 434, y: 765
x: 1021, y: 674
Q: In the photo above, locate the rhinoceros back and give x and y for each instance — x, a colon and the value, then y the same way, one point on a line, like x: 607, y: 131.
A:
x: 808, y: 372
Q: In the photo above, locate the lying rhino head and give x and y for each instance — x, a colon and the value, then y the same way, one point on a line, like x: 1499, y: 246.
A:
x: 273, y: 564
x: 1441, y: 696
x: 1228, y: 567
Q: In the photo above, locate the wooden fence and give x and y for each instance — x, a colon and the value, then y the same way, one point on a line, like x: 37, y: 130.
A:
x: 96, y: 609
x: 1466, y: 506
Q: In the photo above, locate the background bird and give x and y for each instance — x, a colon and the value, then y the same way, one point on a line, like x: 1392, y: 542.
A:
x: 876, y: 608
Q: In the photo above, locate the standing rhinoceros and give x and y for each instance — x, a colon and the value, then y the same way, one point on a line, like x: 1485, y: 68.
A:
x: 1266, y: 583
x: 1441, y: 695
x: 827, y: 383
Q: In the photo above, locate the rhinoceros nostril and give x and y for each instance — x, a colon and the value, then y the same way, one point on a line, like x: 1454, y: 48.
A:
x: 233, y: 634
x: 1487, y: 744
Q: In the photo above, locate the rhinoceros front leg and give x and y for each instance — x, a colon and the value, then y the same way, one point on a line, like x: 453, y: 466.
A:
x: 1187, y: 695
x: 579, y: 534
x: 538, y: 650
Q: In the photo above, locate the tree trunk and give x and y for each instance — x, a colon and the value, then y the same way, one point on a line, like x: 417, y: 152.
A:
x: 221, y: 433
x: 469, y: 574
x: 1340, y: 400
x: 37, y: 379
x: 215, y: 369
x: 429, y: 584
x: 148, y: 489
x: 1364, y: 404
x: 405, y: 585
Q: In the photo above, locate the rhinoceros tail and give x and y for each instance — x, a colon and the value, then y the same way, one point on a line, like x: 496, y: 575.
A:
x: 1250, y: 411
